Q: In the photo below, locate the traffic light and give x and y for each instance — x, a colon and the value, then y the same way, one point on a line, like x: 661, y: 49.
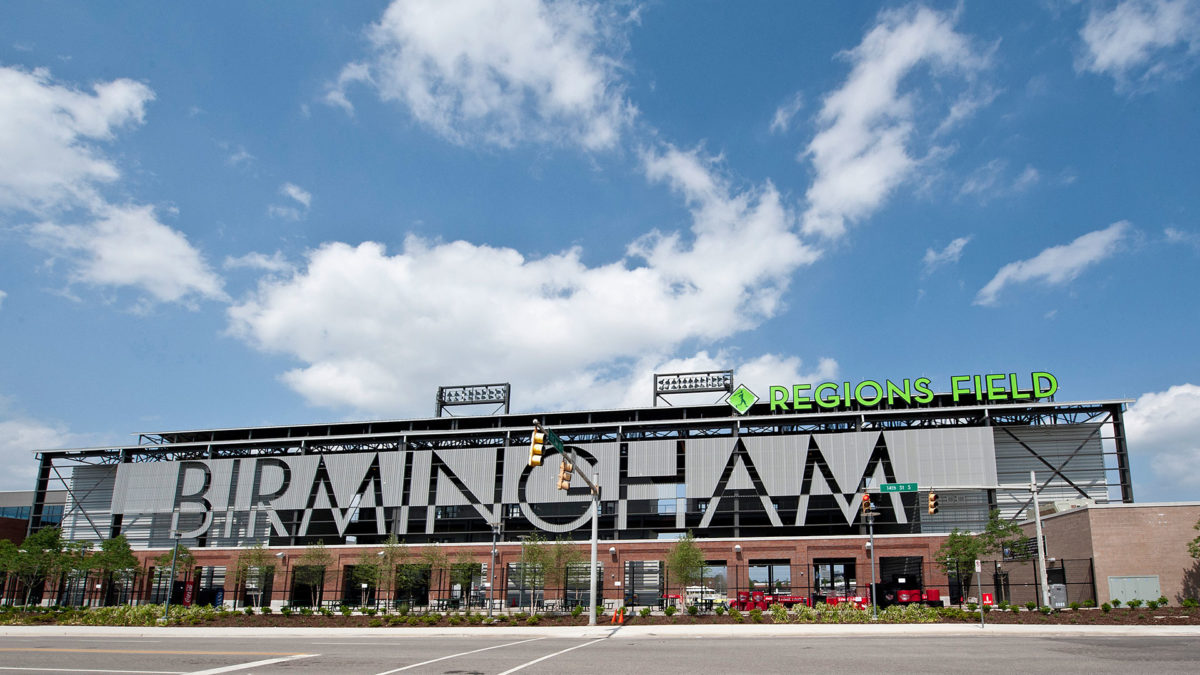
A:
x: 535, y: 446
x: 933, y: 505
x: 564, y: 475
x: 866, y: 505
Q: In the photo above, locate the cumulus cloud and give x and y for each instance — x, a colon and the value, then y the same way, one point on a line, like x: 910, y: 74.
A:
x: 368, y: 324
x: 19, y: 437
x: 51, y: 165
x: 992, y: 180
x: 50, y: 138
x: 128, y: 246
x: 867, y: 127
x: 1176, y: 236
x: 949, y: 255
x: 1057, y: 264
x: 1139, y: 41
x: 1164, y: 428
x: 3, y: 295
x: 499, y: 73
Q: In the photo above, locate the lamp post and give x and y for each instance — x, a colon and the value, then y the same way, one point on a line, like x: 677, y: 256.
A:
x: 283, y: 558
x: 380, y: 580
x: 171, y: 580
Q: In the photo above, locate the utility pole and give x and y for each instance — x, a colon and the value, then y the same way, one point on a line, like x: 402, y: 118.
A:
x: 492, y: 568
x: 1037, y: 519
x: 171, y: 580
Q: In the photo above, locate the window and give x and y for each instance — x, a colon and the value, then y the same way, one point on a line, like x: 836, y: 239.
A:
x: 771, y: 576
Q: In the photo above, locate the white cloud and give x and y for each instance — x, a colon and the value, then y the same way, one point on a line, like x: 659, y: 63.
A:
x: 50, y: 165
x: 1164, y: 428
x: 949, y: 255
x: 376, y: 330
x: 50, y: 134
x: 1057, y: 264
x: 1028, y: 178
x: 19, y: 437
x: 1139, y: 41
x: 297, y: 193
x: 785, y: 113
x: 128, y: 246
x: 3, y: 295
x: 240, y: 157
x: 989, y: 181
x: 1177, y: 236
x: 477, y: 71
x: 275, y: 263
x: 862, y: 152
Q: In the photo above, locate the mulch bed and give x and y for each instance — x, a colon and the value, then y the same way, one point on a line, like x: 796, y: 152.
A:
x: 1164, y: 616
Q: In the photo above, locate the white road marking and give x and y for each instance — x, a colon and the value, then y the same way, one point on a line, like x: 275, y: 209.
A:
x: 548, y: 656
x: 473, y: 651
x: 90, y: 670
x: 252, y: 664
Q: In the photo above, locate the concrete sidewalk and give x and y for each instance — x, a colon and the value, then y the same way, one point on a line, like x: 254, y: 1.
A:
x: 599, y: 632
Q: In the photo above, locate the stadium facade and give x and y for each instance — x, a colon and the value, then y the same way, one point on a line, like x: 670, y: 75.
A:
x: 761, y: 484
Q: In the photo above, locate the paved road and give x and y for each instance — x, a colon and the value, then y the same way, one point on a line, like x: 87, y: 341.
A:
x: 640, y: 653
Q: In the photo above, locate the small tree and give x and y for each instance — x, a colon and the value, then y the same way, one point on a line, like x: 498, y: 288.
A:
x: 685, y: 562
x: 39, y: 557
x: 560, y: 556
x: 393, y: 555
x: 366, y: 570
x: 77, y: 562
x: 115, y: 560
x: 535, y: 555
x: 961, y: 549
x: 8, y: 560
x: 310, y: 568
x: 255, y: 569
x: 435, y: 559
x: 463, y: 571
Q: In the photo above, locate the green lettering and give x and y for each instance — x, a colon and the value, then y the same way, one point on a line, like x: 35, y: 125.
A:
x: 1038, y: 392
x: 893, y: 391
x: 955, y: 389
x: 831, y: 402
x: 779, y: 400
x: 921, y: 385
x: 872, y: 401
x: 995, y: 392
x: 800, y: 402
x: 1016, y: 393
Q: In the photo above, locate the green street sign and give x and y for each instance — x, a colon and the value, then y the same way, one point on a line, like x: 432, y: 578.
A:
x: 897, y: 487
x: 742, y: 398
x: 554, y: 440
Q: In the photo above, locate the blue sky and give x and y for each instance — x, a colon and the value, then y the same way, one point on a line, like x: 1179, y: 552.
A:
x: 227, y: 214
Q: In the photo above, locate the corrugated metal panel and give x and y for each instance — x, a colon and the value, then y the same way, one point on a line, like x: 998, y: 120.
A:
x: 652, y: 458
x: 780, y: 461
x: 89, y: 518
x: 706, y: 459
x: 145, y: 488
x: 1077, y: 449
x: 475, y: 467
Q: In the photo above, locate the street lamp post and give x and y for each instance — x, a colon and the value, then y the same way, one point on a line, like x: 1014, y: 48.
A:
x: 171, y: 580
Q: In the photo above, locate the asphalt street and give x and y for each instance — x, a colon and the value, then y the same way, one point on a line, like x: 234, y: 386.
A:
x: 642, y: 652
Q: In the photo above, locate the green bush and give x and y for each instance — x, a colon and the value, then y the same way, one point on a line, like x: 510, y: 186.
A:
x: 430, y: 619
x: 912, y: 613
x: 454, y: 620
x: 285, y: 610
x: 1089, y: 603
x: 1106, y: 608
x: 395, y: 620
x: 1074, y: 606
x: 413, y: 621
x: 521, y: 616
x: 670, y: 610
x: 693, y: 610
x: 735, y: 615
x: 344, y: 610
x: 599, y: 610
x: 1116, y: 602
x: 972, y: 607
x: 756, y: 615
x: 534, y: 620
x: 249, y: 611
x: 1152, y: 604
x: 266, y: 610
x: 1031, y: 605
x: 1189, y: 603
x: 577, y: 611
x: 1134, y: 603
x: 402, y: 610
x: 720, y: 610
x: 370, y: 611
x: 779, y: 613
x: 375, y: 623
x: 1045, y: 610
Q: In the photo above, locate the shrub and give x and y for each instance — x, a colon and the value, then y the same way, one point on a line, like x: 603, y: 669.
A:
x: 430, y: 619
x: 375, y: 623
x: 779, y: 613
x: 1134, y: 603
x: 521, y: 616
x: 644, y: 612
x: 266, y: 610
x: 395, y: 620
x: 1045, y: 610
x: 693, y: 610
x: 670, y: 610
x: 756, y: 615
x: 249, y: 611
x: 414, y: 621
x: 577, y: 611
x: 599, y: 610
x: 1152, y: 604
x: 370, y: 611
x: 1031, y: 605
x: 1074, y: 606
x: 285, y: 610
x: 1162, y: 601
x: 454, y: 620
x: 345, y: 611
x: 1189, y: 603
x: 735, y: 615
x: 1106, y: 608
x: 720, y: 610
x: 972, y: 607
x: 307, y: 611
x: 1089, y: 603
x: 1116, y: 602
x: 534, y: 620
x: 402, y: 610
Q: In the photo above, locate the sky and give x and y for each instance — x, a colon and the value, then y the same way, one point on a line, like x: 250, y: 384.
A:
x: 227, y: 214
